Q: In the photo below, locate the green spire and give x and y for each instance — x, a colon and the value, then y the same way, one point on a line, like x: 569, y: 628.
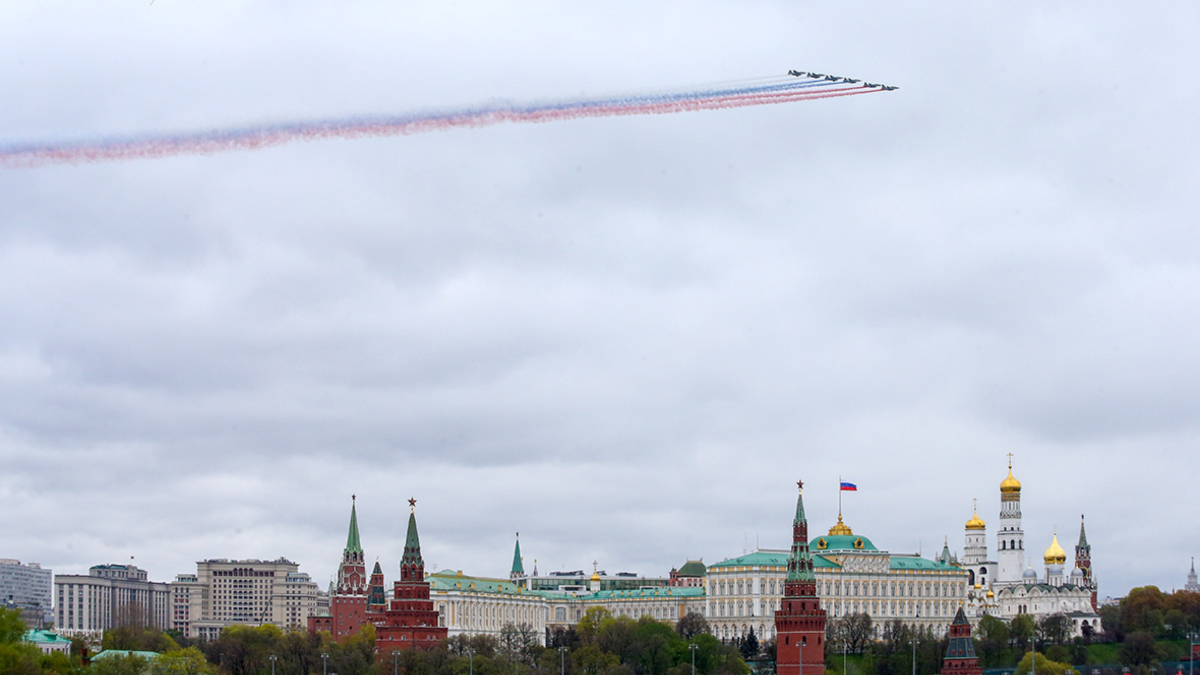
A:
x: 378, y: 569
x: 800, y: 563
x: 352, y: 543
x: 412, y: 545
x: 1082, y: 534
x: 518, y: 567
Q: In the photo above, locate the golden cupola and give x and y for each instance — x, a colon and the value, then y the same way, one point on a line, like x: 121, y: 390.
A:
x: 840, y: 528
x: 976, y: 523
x: 1055, y: 555
x: 1010, y: 484
x: 1010, y: 488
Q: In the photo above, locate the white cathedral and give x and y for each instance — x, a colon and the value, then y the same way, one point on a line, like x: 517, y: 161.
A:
x: 1008, y: 587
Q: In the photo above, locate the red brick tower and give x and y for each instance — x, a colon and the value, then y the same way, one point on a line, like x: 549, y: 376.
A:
x: 348, y: 603
x: 800, y: 621
x: 960, y: 654
x: 376, y: 592
x: 1083, y: 560
x: 410, y: 621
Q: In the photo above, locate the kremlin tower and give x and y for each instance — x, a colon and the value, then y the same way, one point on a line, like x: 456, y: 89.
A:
x: 348, y: 600
x: 960, y: 653
x: 800, y: 621
x: 1083, y: 564
x: 410, y: 621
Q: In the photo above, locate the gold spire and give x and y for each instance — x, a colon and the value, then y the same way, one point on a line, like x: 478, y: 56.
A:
x: 840, y: 528
x: 1055, y: 555
x: 1010, y: 485
x: 976, y: 523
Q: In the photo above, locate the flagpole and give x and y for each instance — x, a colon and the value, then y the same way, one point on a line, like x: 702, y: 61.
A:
x: 839, y: 498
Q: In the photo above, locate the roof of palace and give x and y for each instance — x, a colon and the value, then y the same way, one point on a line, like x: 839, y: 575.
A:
x: 692, y: 568
x: 768, y: 559
x: 842, y: 542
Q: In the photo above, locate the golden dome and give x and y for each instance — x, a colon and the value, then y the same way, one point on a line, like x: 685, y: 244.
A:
x: 1010, y: 484
x: 990, y: 594
x: 1055, y: 555
x: 595, y: 576
x: 840, y: 528
x: 976, y: 523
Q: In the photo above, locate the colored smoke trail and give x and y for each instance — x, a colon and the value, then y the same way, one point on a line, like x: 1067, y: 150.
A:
x: 787, y: 90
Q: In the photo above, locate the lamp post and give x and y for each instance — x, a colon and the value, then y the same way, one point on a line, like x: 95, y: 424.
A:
x: 395, y: 655
x: 800, y: 659
x: 471, y: 659
x: 324, y: 663
x: 1191, y: 653
x: 692, y: 648
x: 273, y: 659
x: 1033, y: 654
x: 562, y: 660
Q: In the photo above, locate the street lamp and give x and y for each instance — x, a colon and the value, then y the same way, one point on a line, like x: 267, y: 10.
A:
x: 471, y: 659
x: 1191, y: 653
x: 273, y: 659
x: 562, y: 660
x: 324, y: 663
x: 692, y: 648
x: 395, y: 655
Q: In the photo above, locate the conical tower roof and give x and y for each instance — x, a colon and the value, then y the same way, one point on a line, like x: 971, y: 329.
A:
x: 518, y: 567
x: 378, y: 569
x: 800, y: 563
x: 1082, y: 533
x: 353, y: 545
x: 412, y: 543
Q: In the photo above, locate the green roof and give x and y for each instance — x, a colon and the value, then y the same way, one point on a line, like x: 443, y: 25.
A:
x: 449, y: 580
x: 352, y: 543
x: 769, y: 559
x: 842, y: 542
x: 692, y: 568
x: 44, y: 636
x: 412, y: 544
x: 118, y: 653
x: 517, y: 566
x: 904, y: 562
x: 657, y: 592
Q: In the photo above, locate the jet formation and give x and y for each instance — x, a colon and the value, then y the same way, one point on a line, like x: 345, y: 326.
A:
x: 835, y: 78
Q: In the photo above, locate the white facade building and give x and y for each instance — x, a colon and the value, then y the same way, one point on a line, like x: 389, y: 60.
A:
x: 108, y: 596
x: 1005, y: 590
x: 29, y: 588
x: 227, y: 592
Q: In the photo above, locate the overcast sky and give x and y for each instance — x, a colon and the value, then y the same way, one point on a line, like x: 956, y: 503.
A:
x: 625, y: 338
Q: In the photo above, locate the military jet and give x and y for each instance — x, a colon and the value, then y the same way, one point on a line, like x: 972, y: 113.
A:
x: 850, y: 81
x: 887, y: 88
x: 795, y: 73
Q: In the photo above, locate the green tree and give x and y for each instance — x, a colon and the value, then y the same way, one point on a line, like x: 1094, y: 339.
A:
x: 188, y: 661
x: 12, y: 626
x: 991, y: 644
x: 749, y: 645
x: 131, y: 664
x: 1044, y: 666
x: 1144, y: 610
x: 691, y: 625
x: 1021, y: 630
x: 1139, y: 649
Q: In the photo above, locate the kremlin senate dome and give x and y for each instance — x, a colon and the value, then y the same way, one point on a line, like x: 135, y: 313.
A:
x: 1055, y: 555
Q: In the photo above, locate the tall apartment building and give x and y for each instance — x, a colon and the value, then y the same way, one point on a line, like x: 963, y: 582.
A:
x: 109, y: 596
x: 29, y: 588
x: 227, y: 592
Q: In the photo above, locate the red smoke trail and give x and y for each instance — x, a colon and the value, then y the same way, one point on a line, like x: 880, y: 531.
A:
x: 269, y: 136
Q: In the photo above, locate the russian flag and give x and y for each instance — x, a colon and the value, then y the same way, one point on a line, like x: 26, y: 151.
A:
x: 849, y: 487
